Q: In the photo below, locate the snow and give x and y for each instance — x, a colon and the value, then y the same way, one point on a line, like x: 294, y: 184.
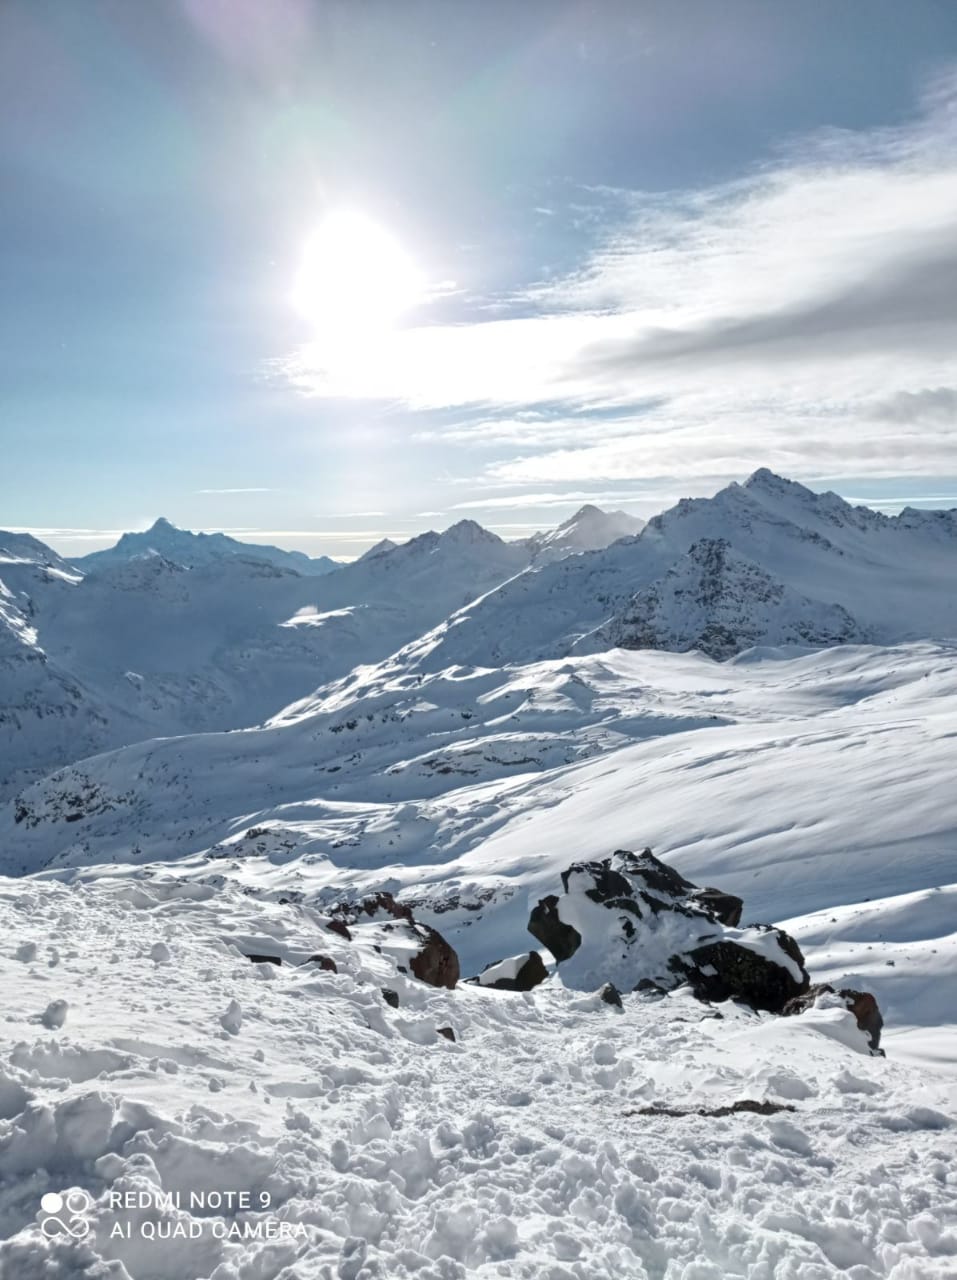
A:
x: 203, y: 757
x: 589, y: 529
x: 193, y: 550
x: 798, y: 782
x: 220, y: 645
x: 324, y: 1133
x: 504, y: 970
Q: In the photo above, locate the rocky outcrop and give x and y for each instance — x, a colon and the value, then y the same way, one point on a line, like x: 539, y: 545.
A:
x: 551, y: 931
x: 714, y: 600
x: 392, y: 930
x: 632, y: 921
x: 725, y: 970
x: 517, y: 973
x: 862, y: 1004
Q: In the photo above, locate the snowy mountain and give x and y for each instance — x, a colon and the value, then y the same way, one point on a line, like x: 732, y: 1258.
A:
x: 589, y: 529
x: 470, y: 791
x: 194, y: 550
x: 379, y: 549
x: 471, y: 746
x: 720, y: 603
x: 47, y: 714
x: 146, y: 646
x: 800, y: 567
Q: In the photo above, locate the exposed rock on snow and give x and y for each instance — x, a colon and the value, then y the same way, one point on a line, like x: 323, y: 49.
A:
x: 517, y: 973
x: 609, y: 994
x: 762, y: 966
x: 392, y: 930
x: 632, y: 920
x: 862, y: 1004
x: 720, y: 603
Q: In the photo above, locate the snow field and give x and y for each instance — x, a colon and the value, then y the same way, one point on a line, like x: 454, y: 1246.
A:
x: 516, y: 1151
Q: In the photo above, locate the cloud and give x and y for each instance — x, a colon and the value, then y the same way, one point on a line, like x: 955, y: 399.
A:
x: 79, y: 535
x: 254, y: 490
x: 933, y: 404
x: 551, y: 500
x: 802, y: 317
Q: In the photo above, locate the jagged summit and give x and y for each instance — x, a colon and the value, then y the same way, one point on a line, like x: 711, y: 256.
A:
x: 194, y: 550
x: 769, y: 481
x: 589, y: 529
x: 380, y: 548
x: 587, y: 512
x: 469, y: 532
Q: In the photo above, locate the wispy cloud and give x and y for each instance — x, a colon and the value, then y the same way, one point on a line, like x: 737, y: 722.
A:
x: 525, y: 500
x: 79, y: 535
x: 804, y: 317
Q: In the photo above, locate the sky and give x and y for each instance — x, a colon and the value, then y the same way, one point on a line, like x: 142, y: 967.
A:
x: 316, y: 272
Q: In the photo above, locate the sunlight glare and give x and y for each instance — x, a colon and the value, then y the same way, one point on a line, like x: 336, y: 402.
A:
x: 354, y: 280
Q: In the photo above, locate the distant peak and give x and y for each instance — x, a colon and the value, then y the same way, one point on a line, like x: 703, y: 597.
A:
x: 162, y: 525
x: 469, y: 531
x: 379, y: 549
x: 588, y: 512
x: 765, y: 478
x: 768, y: 481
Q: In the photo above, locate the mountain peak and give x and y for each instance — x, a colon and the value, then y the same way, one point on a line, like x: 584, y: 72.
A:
x: 588, y: 512
x: 469, y: 531
x: 380, y: 548
x: 764, y: 480
x: 162, y: 525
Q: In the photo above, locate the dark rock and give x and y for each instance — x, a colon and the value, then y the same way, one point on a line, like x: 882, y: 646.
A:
x: 648, y: 986
x: 861, y: 1003
x: 324, y: 962
x: 434, y: 961
x: 544, y: 925
x: 735, y: 1108
x: 337, y: 926
x: 528, y: 974
x: 726, y: 970
x: 723, y: 906
x: 390, y: 997
x: 437, y: 963
x: 611, y: 995
x: 256, y: 959
x: 447, y: 1032
x: 661, y: 930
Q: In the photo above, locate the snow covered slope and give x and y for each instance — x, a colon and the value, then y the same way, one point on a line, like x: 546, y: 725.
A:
x: 279, y: 1121
x: 798, y: 782
x: 150, y: 647
x: 815, y: 566
x: 589, y: 529
x: 194, y: 550
x: 714, y: 600
x: 47, y: 715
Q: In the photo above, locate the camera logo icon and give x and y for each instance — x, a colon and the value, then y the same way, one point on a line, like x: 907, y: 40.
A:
x: 76, y: 1204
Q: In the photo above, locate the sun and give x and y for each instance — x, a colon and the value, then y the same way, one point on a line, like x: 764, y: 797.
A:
x: 354, y: 279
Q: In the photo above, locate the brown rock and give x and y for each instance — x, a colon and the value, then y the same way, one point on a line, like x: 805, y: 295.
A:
x: 436, y: 963
x: 861, y: 1003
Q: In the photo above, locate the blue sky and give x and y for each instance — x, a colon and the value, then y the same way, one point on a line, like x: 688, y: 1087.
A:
x: 658, y: 245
